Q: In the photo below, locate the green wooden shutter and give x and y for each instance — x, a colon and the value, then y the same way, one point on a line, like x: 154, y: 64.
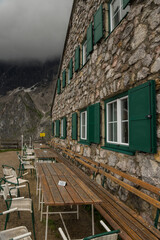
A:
x: 64, y: 78
x: 74, y: 126
x: 59, y: 86
x: 142, y: 118
x: 93, y: 123
x: 64, y: 127
x: 77, y: 58
x: 71, y: 68
x: 57, y: 128
x: 52, y: 128
x: 89, y: 39
x: 98, y: 25
x: 125, y: 3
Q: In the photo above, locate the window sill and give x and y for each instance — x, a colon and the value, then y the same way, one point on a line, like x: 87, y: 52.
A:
x: 117, y: 149
x: 84, y: 142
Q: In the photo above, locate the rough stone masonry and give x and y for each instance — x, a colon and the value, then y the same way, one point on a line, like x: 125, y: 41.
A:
x: 127, y: 57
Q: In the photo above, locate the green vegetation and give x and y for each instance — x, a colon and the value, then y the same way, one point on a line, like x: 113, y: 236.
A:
x: 9, y: 150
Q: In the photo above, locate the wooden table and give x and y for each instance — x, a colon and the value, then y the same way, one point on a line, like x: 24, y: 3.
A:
x: 45, y: 154
x: 40, y: 146
x: 75, y: 192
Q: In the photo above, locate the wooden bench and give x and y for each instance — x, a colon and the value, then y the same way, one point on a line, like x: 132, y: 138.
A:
x: 9, y: 144
x: 116, y: 213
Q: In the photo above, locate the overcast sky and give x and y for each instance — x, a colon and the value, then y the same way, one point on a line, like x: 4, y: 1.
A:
x: 33, y: 29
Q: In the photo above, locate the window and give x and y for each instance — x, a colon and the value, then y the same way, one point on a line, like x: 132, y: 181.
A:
x: 117, y: 12
x: 58, y: 86
x: 84, y: 52
x: 77, y: 58
x: 68, y: 75
x: 57, y: 125
x: 74, y: 126
x: 117, y: 121
x: 52, y: 128
x: 62, y: 128
x: 131, y: 120
x: 84, y: 125
x: 70, y: 71
x: 90, y: 124
x: 64, y: 78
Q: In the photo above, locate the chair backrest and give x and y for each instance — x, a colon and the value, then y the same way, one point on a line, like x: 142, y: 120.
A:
x: 9, y: 171
x: 6, y: 191
x: 112, y: 235
x: 108, y: 237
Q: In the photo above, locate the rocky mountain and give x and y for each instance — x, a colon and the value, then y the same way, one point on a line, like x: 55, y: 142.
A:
x: 26, y: 93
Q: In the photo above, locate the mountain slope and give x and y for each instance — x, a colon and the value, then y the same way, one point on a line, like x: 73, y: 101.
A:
x: 27, y: 110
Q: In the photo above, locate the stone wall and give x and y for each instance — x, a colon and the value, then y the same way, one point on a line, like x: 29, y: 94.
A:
x: 128, y: 57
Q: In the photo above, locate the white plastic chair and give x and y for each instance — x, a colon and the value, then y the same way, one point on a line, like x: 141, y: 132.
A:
x: 20, y: 203
x: 109, y: 235
x: 14, y: 233
x: 11, y: 177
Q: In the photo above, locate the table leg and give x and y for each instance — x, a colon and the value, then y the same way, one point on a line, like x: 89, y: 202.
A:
x: 39, y: 198
x: 46, y: 232
x: 37, y: 186
x: 93, y: 220
x: 41, y: 208
x: 77, y: 212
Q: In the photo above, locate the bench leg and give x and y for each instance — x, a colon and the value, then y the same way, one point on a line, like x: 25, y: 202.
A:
x: 93, y: 219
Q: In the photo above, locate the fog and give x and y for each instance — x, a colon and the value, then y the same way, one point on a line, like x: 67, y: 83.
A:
x: 33, y: 29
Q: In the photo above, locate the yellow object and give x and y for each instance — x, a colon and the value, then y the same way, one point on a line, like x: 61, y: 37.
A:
x: 42, y: 134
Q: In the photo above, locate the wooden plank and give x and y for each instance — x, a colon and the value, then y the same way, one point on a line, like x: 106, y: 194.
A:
x: 150, y: 228
x: 58, y: 200
x: 130, y: 219
x: 46, y: 191
x: 132, y: 189
x: 87, y: 165
x: 72, y: 192
x: 90, y: 193
x: 133, y: 179
x: 63, y: 192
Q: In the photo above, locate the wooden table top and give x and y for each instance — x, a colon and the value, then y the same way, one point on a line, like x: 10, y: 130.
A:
x: 40, y: 145
x: 45, y: 153
x: 75, y: 192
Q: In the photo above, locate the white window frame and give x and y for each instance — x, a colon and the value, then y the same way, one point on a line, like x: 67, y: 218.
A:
x: 62, y: 127
x: 119, y: 122
x: 120, y: 11
x: 85, y: 125
x: 84, y: 52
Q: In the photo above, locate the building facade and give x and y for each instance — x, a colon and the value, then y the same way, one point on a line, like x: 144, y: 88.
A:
x: 107, y: 102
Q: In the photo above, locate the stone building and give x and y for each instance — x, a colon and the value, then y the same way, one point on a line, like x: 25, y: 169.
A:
x: 107, y: 102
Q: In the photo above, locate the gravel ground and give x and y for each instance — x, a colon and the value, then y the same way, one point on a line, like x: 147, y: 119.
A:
x: 77, y: 228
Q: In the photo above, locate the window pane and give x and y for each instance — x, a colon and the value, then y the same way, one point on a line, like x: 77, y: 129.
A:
x: 115, y: 112
x: 84, y: 52
x: 110, y: 132
x: 83, y: 118
x: 116, y: 12
x: 124, y: 109
x: 110, y: 112
x: 115, y: 132
x: 125, y: 132
x: 83, y: 132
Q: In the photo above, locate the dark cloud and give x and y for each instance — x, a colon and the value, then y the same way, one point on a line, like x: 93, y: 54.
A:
x: 33, y: 29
